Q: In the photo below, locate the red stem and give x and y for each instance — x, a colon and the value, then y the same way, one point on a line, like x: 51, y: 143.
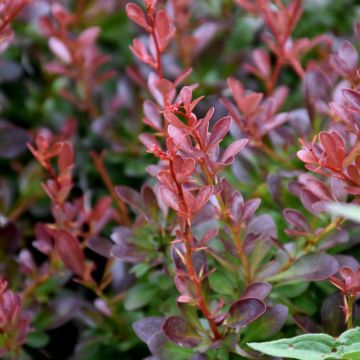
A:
x: 189, y: 263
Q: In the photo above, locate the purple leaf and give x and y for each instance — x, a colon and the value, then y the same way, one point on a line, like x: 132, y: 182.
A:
x: 245, y: 311
x: 295, y: 218
x: 63, y: 310
x: 332, y: 315
x: 353, y: 97
x: 317, y: 85
x: 13, y: 140
x: 100, y: 245
x: 180, y: 333
x: 258, y: 290
x: 249, y: 208
x: 10, y: 237
x: 332, y: 240
x: 127, y: 252
x: 311, y: 267
x: 306, y: 324
x: 345, y: 61
x: 121, y: 234
x: 129, y: 196
x: 147, y: 327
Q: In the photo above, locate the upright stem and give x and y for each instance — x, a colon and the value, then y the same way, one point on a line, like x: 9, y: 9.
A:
x: 350, y: 311
x: 189, y: 263
x: 99, y: 164
x: 197, y: 283
x: 159, y: 69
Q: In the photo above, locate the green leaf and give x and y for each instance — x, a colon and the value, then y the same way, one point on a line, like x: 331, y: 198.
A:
x: 139, y: 296
x: 314, y: 346
x: 268, y: 324
x: 221, y: 283
x: 37, y: 339
x: 291, y: 289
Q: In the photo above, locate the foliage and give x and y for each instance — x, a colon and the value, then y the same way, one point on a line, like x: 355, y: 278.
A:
x: 314, y: 346
x: 180, y: 179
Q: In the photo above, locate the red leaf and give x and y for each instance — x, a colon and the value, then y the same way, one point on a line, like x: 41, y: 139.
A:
x: 335, y: 154
x: 186, y: 95
x: 262, y: 60
x: 88, y: 37
x: 70, y: 252
x: 174, y: 120
x: 202, y: 198
x: 219, y: 131
x: 135, y: 13
x: 164, y: 29
x: 152, y: 115
x: 66, y: 157
x: 170, y: 198
x: 306, y: 156
x: 233, y: 150
x: 183, y: 168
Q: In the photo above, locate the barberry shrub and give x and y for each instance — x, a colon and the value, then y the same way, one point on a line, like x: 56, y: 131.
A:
x: 180, y: 179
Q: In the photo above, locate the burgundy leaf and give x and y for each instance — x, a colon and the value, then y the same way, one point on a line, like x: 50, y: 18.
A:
x: 245, y: 311
x: 332, y: 315
x: 178, y: 330
x: 306, y: 324
x: 66, y: 157
x: 70, y: 252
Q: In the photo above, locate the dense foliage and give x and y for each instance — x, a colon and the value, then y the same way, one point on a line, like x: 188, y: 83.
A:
x: 179, y: 179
